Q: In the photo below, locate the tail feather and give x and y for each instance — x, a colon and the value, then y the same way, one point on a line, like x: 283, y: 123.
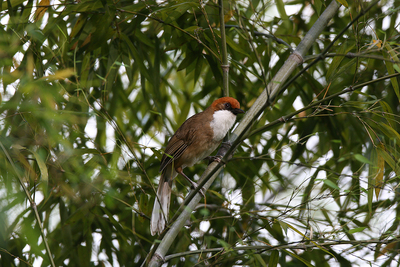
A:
x: 159, y: 216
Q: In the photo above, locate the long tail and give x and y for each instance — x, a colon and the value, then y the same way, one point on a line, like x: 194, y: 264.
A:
x: 159, y: 216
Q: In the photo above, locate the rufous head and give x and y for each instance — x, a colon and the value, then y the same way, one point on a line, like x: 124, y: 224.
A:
x: 227, y: 103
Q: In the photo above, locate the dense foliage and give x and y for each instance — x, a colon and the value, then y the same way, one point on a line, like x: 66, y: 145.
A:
x: 91, y: 91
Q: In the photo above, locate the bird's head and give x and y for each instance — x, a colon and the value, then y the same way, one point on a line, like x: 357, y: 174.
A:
x: 227, y: 103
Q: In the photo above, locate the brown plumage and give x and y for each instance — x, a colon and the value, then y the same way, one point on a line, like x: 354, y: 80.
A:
x: 195, y: 139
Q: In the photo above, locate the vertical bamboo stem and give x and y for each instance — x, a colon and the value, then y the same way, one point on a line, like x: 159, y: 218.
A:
x: 224, y: 53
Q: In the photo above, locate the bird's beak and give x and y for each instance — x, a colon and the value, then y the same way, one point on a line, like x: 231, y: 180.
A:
x: 237, y: 111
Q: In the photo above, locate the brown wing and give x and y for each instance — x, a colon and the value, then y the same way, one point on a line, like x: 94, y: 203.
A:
x: 178, y: 143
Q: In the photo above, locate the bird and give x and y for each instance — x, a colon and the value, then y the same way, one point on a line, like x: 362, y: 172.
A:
x: 194, y: 140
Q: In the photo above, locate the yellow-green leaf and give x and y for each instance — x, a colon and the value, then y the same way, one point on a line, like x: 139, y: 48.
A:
x: 43, y: 6
x: 390, y: 69
x: 379, y: 175
x: 371, y: 178
x: 78, y: 25
x: 283, y: 225
x: 42, y: 166
x: 388, y: 159
x: 343, y: 2
x: 60, y: 75
x: 299, y: 258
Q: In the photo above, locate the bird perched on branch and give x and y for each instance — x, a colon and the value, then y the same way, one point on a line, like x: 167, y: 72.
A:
x: 195, y: 140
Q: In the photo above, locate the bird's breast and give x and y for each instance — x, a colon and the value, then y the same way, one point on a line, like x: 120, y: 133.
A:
x: 222, y: 121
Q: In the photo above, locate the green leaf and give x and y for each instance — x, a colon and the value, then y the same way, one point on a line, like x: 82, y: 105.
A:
x: 284, y: 226
x: 235, y: 46
x: 85, y: 6
x: 137, y: 56
x: 390, y: 132
x: 260, y: 260
x: 172, y: 13
x: 390, y: 68
x: 186, y: 62
x: 334, y: 69
x: 318, y: 6
x: 78, y: 25
x: 281, y: 9
x: 226, y: 245
x: 273, y: 259
x: 362, y: 159
x: 307, y: 263
x: 388, y: 159
x: 356, y: 230
x: 42, y: 166
x: 331, y: 184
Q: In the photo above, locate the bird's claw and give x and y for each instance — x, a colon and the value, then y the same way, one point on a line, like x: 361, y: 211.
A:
x: 159, y: 258
x: 201, y: 191
x: 211, y: 159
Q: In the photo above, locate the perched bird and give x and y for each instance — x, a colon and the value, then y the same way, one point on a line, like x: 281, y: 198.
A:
x: 195, y: 140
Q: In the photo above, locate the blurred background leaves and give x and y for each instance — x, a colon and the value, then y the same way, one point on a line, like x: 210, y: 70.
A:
x: 92, y: 90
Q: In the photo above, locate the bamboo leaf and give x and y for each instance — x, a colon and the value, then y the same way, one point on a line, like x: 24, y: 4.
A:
x: 261, y: 260
x: 362, y: 159
x: 306, y: 237
x: 42, y: 166
x: 334, y: 66
x: 379, y: 173
x: 80, y: 22
x: 60, y: 75
x: 235, y: 46
x: 343, y: 2
x: 388, y: 248
x: 173, y: 12
x: 390, y: 69
x: 299, y: 258
x: 273, y: 259
x: 388, y: 158
x: 41, y: 10
x: 330, y: 184
x: 356, y: 230
x: 372, y: 173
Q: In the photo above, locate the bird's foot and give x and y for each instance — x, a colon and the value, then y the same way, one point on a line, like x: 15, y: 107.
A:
x: 159, y: 258
x: 194, y: 186
x: 211, y: 159
x: 225, y: 146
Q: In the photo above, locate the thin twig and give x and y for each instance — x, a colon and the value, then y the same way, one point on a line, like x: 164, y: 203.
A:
x: 267, y: 35
x: 351, y: 55
x: 33, y: 205
x: 293, y: 245
x: 287, y: 117
x: 175, y: 27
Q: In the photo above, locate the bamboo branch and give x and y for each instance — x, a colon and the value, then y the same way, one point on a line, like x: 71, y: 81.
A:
x: 236, y: 137
x: 224, y: 52
x: 294, y: 245
x: 353, y: 55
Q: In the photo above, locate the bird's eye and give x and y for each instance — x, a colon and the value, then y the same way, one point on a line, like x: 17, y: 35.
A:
x: 227, y: 105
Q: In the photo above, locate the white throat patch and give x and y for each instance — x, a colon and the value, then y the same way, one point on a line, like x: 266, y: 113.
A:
x: 222, y: 121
